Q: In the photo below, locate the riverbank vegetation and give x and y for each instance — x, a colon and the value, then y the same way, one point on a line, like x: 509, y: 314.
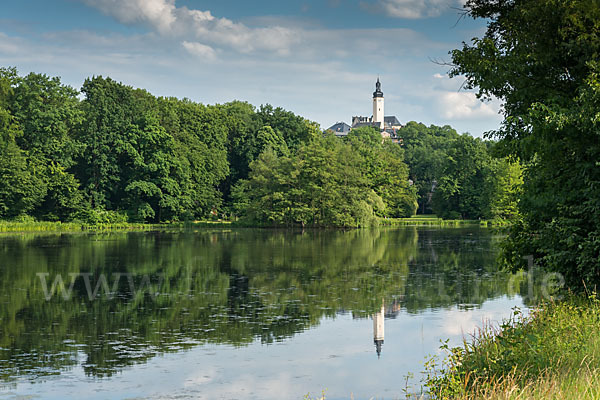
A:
x: 540, y: 59
x: 553, y: 353
x: 110, y: 154
x: 458, y: 176
x: 433, y: 220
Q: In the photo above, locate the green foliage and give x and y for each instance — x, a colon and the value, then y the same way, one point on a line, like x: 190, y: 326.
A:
x: 200, y: 163
x: 540, y: 58
x: 425, y: 154
x: 466, y: 186
x: 48, y: 112
x: 327, y: 182
x: 320, y: 185
x: 44, y: 113
x: 387, y: 174
x: 163, y: 159
x: 100, y: 217
x: 22, y: 187
x: 294, y: 129
x: 63, y: 197
x: 556, y: 343
x: 250, y: 132
x: 458, y: 176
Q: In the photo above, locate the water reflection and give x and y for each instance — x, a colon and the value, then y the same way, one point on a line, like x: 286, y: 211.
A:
x: 137, y: 295
x: 379, y: 329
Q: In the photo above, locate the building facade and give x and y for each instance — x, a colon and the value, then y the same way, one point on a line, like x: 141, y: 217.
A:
x: 387, y: 125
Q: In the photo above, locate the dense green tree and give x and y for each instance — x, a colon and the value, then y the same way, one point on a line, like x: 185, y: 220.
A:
x: 242, y: 123
x: 157, y: 159
x: 464, y: 190
x: 123, y: 152
x: 383, y: 165
x: 392, y: 183
x: 109, y: 113
x: 48, y: 112
x: 22, y: 187
x: 251, y: 131
x: 200, y: 146
x: 541, y: 58
x: 322, y: 184
x: 506, y: 185
x: 425, y: 151
x: 294, y: 129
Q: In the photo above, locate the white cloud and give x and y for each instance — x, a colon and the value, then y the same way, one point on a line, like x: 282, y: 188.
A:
x: 158, y: 13
x: 8, y: 44
x: 414, y: 9
x: 465, y: 105
x: 181, y: 22
x: 329, y: 78
x: 200, y: 50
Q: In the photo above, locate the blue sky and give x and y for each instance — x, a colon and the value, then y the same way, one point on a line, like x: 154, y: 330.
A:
x: 319, y: 59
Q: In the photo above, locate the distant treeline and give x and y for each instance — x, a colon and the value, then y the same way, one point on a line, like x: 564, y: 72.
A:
x: 458, y: 176
x: 111, y: 154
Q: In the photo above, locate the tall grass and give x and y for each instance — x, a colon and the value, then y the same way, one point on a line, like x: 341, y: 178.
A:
x: 44, y: 226
x: 582, y: 383
x: 553, y: 353
x: 432, y: 220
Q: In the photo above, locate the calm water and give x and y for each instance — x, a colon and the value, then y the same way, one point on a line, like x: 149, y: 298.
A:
x: 245, y: 314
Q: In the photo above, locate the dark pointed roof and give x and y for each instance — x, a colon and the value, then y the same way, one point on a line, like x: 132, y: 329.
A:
x: 391, y: 120
x: 340, y: 128
x: 377, y: 92
x: 378, y: 344
x: 371, y: 124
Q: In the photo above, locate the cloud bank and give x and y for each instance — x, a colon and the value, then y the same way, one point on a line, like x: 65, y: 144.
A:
x: 201, y: 27
x: 413, y: 9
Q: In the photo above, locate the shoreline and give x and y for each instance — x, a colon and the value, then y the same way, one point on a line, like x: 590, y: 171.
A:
x: 552, y: 353
x: 49, y: 226
x: 46, y: 226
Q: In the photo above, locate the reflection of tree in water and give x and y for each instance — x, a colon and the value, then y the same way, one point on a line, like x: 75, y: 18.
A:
x: 455, y: 267
x: 219, y: 287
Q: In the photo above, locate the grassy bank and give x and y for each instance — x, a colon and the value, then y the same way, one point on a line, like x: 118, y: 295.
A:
x: 44, y: 226
x: 432, y: 220
x: 552, y: 354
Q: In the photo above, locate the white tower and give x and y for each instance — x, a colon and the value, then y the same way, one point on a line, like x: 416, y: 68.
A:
x: 378, y: 110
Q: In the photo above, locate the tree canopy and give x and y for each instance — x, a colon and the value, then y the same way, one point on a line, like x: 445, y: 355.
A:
x: 112, y: 153
x: 459, y: 176
x: 541, y: 58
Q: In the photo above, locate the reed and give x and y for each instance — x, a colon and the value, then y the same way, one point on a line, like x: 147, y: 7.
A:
x: 419, y: 220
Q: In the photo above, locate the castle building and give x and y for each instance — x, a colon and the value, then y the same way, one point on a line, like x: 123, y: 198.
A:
x: 378, y: 106
x: 387, y: 125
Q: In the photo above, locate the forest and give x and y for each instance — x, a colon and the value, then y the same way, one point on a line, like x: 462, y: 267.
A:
x: 110, y: 153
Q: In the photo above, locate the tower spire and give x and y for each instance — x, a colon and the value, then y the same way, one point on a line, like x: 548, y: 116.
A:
x: 378, y: 111
x: 377, y: 92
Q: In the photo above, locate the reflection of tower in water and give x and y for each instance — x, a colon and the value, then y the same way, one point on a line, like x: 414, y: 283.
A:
x: 379, y: 329
x: 391, y: 311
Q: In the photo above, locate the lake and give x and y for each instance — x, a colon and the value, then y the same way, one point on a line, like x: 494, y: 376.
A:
x: 241, y: 314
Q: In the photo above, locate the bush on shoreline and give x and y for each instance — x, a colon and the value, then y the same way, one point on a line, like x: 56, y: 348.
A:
x: 553, y: 353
